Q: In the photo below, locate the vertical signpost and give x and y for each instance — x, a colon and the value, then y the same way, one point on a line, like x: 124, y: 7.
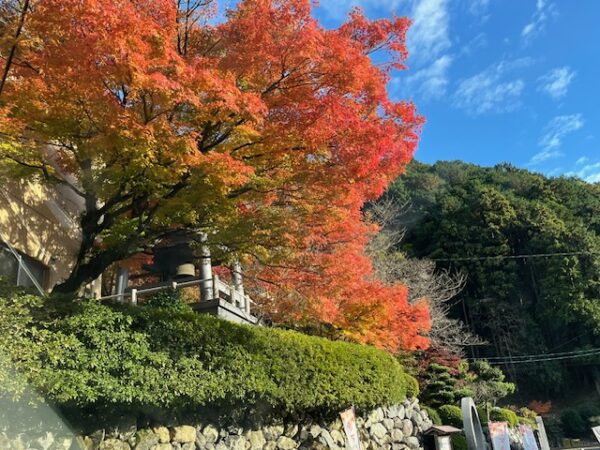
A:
x: 542, y: 436
x: 529, y: 442
x: 499, y: 435
x: 349, y: 421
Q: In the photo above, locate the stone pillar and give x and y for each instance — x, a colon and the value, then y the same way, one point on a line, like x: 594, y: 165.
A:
x: 238, y: 283
x: 122, y: 282
x: 472, y: 425
x: 206, y: 286
x: 96, y: 286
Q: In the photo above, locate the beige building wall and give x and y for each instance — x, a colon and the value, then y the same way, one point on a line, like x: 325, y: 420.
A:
x: 41, y: 223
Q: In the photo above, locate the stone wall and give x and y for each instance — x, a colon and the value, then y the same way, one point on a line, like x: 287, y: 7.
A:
x: 390, y: 428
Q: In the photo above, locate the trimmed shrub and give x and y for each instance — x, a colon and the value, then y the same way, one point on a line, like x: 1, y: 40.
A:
x: 459, y: 441
x: 573, y: 424
x: 168, y: 299
x: 482, y: 413
x: 85, y: 355
x: 504, y: 415
x: 433, y: 415
x: 527, y: 417
x: 451, y: 415
x: 590, y: 409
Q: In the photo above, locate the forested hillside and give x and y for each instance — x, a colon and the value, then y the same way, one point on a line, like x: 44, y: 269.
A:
x: 476, y: 220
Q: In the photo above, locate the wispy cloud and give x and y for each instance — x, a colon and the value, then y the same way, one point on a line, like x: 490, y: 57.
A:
x: 558, y: 128
x: 544, y: 155
x: 490, y: 91
x: 589, y: 173
x: 477, y: 42
x: 543, y: 11
x: 478, y: 7
x: 428, y: 42
x: 431, y: 81
x: 582, y: 160
x: 553, y: 135
x: 556, y: 82
x: 428, y: 37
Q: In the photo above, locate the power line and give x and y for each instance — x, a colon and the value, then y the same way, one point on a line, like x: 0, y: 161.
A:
x: 523, y: 256
x: 590, y: 353
x: 539, y: 355
x: 546, y: 359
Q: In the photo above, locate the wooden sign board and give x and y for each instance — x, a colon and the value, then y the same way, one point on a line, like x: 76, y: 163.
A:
x: 499, y: 435
x: 529, y: 442
x: 349, y: 421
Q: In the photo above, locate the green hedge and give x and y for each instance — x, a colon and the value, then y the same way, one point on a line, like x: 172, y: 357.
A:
x: 504, y: 415
x: 168, y: 299
x: 459, y: 441
x: 451, y: 415
x: 573, y: 423
x: 433, y: 415
x: 82, y: 354
x: 482, y: 413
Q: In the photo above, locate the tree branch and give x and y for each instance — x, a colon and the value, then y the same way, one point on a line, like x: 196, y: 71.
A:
x: 13, y: 48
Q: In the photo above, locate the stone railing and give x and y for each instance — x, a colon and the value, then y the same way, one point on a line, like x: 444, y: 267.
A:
x: 219, y: 290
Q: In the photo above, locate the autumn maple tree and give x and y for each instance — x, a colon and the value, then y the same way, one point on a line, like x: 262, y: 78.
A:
x: 266, y: 131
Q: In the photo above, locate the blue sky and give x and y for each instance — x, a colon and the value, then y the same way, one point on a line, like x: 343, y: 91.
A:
x: 500, y: 80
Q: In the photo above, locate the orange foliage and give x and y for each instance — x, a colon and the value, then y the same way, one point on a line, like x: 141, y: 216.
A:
x: 267, y: 131
x: 540, y: 407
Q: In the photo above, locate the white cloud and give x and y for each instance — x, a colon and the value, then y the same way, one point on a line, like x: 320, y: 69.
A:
x: 427, y: 42
x: 543, y: 11
x: 431, y: 81
x: 582, y: 160
x: 558, y: 128
x: 553, y: 135
x: 589, y: 173
x: 556, y: 82
x: 478, y: 7
x: 544, y: 155
x: 428, y: 37
x: 477, y: 42
x: 490, y: 91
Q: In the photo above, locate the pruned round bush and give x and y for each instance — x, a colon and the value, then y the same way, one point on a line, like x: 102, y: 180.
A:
x: 451, y: 415
x: 504, y: 415
x: 433, y: 415
x: 168, y: 299
x: 527, y: 416
x: 482, y: 413
x: 459, y: 441
x: 82, y: 354
x: 573, y: 424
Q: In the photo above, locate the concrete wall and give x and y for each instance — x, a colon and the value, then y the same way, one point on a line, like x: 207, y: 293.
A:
x: 42, y: 224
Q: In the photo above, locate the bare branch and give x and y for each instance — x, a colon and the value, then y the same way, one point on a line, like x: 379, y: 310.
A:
x: 438, y: 287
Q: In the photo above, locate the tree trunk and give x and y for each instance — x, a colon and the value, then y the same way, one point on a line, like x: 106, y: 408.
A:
x: 91, y: 262
x: 89, y: 269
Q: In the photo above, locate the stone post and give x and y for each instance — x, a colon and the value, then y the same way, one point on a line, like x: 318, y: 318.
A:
x: 472, y: 425
x: 122, y: 282
x: 238, y: 283
x: 206, y: 286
